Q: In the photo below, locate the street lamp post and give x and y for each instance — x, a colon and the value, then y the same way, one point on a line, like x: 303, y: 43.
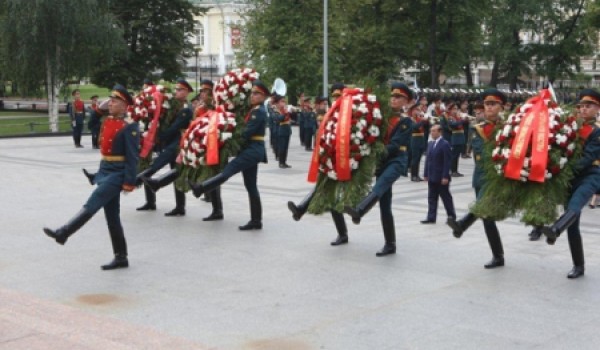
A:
x: 197, y: 81
x: 325, y: 49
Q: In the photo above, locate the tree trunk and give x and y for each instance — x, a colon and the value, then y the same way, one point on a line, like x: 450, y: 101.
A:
x: 495, y: 71
x: 433, y: 44
x: 52, y: 86
x: 469, y: 74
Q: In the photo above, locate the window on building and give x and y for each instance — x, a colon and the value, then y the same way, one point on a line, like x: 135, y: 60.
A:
x: 200, y: 35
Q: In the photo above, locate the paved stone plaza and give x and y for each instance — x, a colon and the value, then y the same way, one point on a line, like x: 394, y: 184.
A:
x: 198, y: 285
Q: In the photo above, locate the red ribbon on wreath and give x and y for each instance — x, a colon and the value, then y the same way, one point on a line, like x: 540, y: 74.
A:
x: 148, y: 143
x: 212, y: 136
x: 534, y: 131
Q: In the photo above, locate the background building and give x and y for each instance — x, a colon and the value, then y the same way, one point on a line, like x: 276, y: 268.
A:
x: 216, y: 39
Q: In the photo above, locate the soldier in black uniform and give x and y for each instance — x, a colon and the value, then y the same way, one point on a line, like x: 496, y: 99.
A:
x: 310, y: 123
x: 120, y: 141
x: 585, y: 183
x: 394, y: 165
x: 253, y: 152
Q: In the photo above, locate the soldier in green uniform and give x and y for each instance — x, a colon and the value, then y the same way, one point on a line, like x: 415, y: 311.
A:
x: 457, y: 140
x: 493, y: 101
x: 394, y: 165
x: 418, y: 142
x: 585, y: 183
x: 310, y: 124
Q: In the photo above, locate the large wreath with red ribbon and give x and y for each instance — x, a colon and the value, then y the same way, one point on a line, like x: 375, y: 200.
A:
x: 215, y: 136
x: 348, y: 145
x: 531, y: 163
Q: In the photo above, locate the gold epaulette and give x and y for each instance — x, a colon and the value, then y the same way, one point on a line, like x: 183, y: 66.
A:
x: 479, y: 129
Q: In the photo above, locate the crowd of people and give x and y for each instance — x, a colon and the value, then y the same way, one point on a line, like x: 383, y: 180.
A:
x: 443, y: 127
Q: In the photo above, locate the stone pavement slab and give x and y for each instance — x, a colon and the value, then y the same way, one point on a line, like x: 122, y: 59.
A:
x: 192, y: 282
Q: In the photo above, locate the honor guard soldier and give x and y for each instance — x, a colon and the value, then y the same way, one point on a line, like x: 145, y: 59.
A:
x: 77, y: 114
x: 394, y: 165
x: 310, y: 124
x: 284, y: 130
x: 418, y: 142
x: 169, y: 139
x: 300, y: 114
x: 493, y: 101
x: 299, y: 210
x: 457, y: 139
x: 585, y: 184
x: 252, y: 153
x: 95, y: 121
x: 119, y: 141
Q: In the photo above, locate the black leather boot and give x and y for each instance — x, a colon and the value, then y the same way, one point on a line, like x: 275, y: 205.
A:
x: 139, y: 178
x: 161, y: 181
x: 299, y: 210
x: 460, y: 226
x: 119, y: 244
x: 414, y: 173
x: 566, y: 220
x: 493, y: 236
x: 62, y: 234
x: 340, y: 226
x: 255, y: 222
x: 362, y: 208
x: 389, y: 232
x: 217, y: 206
x: 576, y: 247
x: 150, y: 200
x: 207, y: 185
x: 89, y: 176
x: 535, y: 233
x: 179, y: 204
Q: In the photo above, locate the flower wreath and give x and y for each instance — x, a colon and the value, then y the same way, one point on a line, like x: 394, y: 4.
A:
x: 511, y: 190
x: 335, y: 190
x: 222, y: 127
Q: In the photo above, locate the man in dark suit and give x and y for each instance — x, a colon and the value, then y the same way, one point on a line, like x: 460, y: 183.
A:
x: 437, y: 174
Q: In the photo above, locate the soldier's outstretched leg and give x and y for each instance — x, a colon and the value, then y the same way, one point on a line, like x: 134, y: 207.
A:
x: 89, y: 176
x: 493, y: 236
x: 362, y: 208
x: 299, y: 210
x: 566, y: 220
x: 576, y: 247
x: 217, y: 206
x: 150, y: 199
x: 340, y: 226
x: 161, y: 181
x: 207, y: 185
x: 64, y: 232
x: 387, y: 223
x: 459, y: 227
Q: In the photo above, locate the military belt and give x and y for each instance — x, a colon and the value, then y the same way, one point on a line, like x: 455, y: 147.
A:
x: 596, y: 162
x: 418, y: 134
x: 284, y: 123
x: 113, y: 158
x: 402, y: 148
x: 257, y: 138
x: 457, y: 131
x: 477, y: 157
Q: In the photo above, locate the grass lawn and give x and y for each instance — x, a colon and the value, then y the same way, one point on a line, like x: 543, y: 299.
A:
x: 28, y: 123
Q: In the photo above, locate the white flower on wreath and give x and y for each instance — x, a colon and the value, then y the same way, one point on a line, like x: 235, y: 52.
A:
x: 226, y: 136
x: 377, y: 113
x: 362, y: 108
x: 506, y: 130
x: 353, y: 164
x: 506, y: 153
x: 526, y: 162
x: 332, y: 174
x: 571, y: 146
x: 563, y: 162
x: 358, y: 135
x: 374, y: 130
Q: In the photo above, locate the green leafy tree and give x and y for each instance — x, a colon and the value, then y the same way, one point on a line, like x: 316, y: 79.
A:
x: 51, y: 41
x: 157, y: 34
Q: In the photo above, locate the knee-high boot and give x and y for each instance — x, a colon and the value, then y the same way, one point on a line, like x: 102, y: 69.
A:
x: 150, y: 199
x: 299, y: 210
x: 389, y: 233
x: 362, y: 208
x: 566, y: 220
x: 207, y: 185
x: 161, y: 181
x: 117, y: 237
x: 63, y: 233
x: 89, y: 176
x: 576, y: 247
x: 493, y: 236
x: 255, y: 222
x: 179, y: 209
x: 217, y: 206
x: 340, y: 226
x: 459, y: 227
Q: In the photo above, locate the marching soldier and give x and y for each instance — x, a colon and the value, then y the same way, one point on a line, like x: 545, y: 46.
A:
x: 169, y: 138
x: 95, y: 121
x: 120, y: 141
x: 300, y: 117
x: 493, y: 101
x: 247, y: 161
x: 310, y: 123
x: 394, y: 165
x: 585, y: 183
x: 284, y: 130
x: 299, y: 210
